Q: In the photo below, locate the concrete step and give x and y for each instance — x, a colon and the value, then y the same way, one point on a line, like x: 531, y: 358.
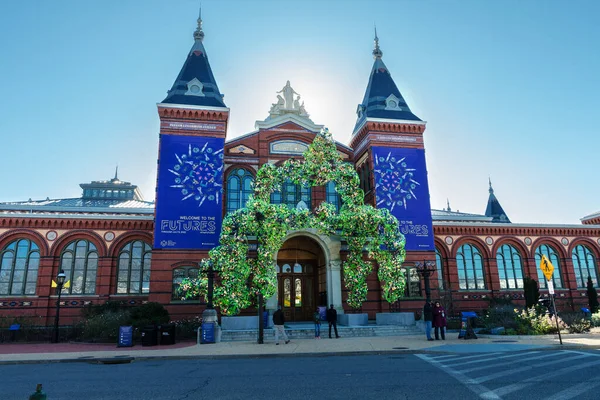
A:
x: 306, y: 332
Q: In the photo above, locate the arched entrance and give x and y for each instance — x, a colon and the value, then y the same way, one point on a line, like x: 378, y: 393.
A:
x: 301, y: 278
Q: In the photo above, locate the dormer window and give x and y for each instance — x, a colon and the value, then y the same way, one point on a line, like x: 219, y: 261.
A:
x: 195, y: 88
x: 392, y: 103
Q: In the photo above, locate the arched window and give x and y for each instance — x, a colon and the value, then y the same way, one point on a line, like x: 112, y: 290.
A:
x: 239, y: 188
x: 179, y: 274
x: 133, y: 276
x: 439, y: 264
x: 19, y: 263
x: 470, y: 268
x: 79, y: 260
x: 552, y: 255
x: 291, y: 194
x: 510, y: 268
x: 332, y: 196
x: 584, y: 264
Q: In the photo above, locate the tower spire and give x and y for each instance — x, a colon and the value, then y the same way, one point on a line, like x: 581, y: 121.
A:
x: 377, y: 53
x: 199, y: 33
x: 491, y: 190
x: 448, y: 203
x: 117, y: 173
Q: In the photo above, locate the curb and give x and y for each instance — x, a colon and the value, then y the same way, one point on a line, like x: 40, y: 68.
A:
x: 130, y: 359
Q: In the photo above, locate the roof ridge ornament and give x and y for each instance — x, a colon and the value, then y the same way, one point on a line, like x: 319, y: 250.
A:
x: 491, y: 190
x: 199, y: 33
x: 288, y: 104
x: 377, y: 53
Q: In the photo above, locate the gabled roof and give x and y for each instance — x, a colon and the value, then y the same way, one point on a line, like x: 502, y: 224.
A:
x: 380, y: 90
x: 195, y: 85
x: 494, y: 209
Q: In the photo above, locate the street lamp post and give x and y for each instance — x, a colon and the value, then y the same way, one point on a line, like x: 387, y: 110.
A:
x: 425, y: 269
x: 60, y: 281
x: 259, y: 218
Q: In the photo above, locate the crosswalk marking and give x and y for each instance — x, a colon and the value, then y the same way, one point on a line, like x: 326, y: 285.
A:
x: 495, y: 358
x: 494, y: 365
x: 475, y: 384
x: 574, y: 391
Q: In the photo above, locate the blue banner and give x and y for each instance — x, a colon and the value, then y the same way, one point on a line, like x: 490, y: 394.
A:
x: 189, y: 210
x: 401, y: 186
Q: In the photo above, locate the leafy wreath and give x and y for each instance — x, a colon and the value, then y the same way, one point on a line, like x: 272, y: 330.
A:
x: 363, y: 227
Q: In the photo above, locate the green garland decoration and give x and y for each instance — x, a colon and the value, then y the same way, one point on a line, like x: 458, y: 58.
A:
x: 365, y: 229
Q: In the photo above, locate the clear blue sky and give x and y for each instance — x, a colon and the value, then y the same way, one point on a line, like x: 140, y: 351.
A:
x: 510, y: 89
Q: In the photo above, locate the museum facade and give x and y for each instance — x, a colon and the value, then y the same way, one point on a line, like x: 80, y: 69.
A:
x: 113, y: 245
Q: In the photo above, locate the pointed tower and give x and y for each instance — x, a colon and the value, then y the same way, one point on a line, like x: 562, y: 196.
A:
x: 494, y: 209
x: 390, y: 158
x: 193, y: 125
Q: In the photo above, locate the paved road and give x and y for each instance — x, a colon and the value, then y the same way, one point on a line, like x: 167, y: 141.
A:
x: 553, y: 375
x: 532, y: 374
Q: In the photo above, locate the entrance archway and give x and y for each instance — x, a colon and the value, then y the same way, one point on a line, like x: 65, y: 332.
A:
x: 301, y: 278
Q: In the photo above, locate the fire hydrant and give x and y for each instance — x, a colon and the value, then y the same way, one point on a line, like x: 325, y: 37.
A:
x: 38, y: 394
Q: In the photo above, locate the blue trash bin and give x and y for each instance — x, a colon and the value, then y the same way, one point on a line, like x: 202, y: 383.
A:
x: 586, y: 312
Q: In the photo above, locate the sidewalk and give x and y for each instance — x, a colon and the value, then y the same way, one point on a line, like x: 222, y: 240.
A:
x: 74, y: 352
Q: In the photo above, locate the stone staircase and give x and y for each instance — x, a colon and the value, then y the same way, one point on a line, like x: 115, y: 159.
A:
x: 307, y: 331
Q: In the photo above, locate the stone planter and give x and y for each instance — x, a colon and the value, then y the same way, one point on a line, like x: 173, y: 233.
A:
x: 400, y: 318
x: 353, y: 319
x: 239, y: 323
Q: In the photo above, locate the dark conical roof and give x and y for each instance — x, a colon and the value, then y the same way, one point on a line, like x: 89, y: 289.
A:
x: 195, y: 85
x: 494, y: 209
x: 382, y: 97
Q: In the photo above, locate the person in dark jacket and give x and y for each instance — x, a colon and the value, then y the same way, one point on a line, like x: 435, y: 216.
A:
x: 428, y: 318
x: 439, y: 320
x: 279, y: 325
x: 332, y: 319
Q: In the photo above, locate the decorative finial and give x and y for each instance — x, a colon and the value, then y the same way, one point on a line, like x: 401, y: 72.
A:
x: 490, y: 182
x: 117, y: 173
x: 448, y: 203
x: 377, y: 53
x: 199, y: 33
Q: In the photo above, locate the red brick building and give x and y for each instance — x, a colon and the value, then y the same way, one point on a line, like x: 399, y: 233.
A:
x: 106, y: 240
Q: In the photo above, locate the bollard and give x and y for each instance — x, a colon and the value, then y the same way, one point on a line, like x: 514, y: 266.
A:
x: 38, y: 395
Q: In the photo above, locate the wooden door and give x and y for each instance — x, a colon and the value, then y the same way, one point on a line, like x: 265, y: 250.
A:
x: 296, y: 294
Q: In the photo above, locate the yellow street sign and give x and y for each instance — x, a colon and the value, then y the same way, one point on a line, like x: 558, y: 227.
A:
x: 546, y: 267
x: 66, y: 285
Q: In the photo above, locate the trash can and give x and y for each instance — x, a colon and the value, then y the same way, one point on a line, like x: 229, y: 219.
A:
x: 208, y: 333
x: 466, y: 325
x: 587, y: 314
x: 167, y: 334
x: 149, y: 336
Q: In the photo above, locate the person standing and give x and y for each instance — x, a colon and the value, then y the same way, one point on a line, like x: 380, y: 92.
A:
x: 428, y: 318
x: 317, y: 320
x: 279, y: 325
x: 439, y: 320
x: 332, y: 320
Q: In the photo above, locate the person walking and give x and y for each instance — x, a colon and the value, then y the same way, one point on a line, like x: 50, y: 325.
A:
x: 279, y: 325
x: 317, y: 320
x: 332, y: 320
x: 428, y: 318
x: 439, y: 321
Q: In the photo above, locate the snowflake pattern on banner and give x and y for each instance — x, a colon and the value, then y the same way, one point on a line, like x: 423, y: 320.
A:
x: 198, y: 174
x: 394, y: 179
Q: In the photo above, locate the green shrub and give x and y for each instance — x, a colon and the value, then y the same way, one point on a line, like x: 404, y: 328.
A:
x: 499, y: 316
x: 187, y: 328
x: 149, y: 314
x: 592, y: 295
x: 105, y: 327
x: 532, y: 292
x: 576, y: 322
x: 97, y: 309
x: 595, y: 319
x: 534, y: 321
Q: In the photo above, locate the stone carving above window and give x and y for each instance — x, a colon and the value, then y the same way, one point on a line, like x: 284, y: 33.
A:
x: 293, y: 147
x: 195, y: 88
x: 241, y: 149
